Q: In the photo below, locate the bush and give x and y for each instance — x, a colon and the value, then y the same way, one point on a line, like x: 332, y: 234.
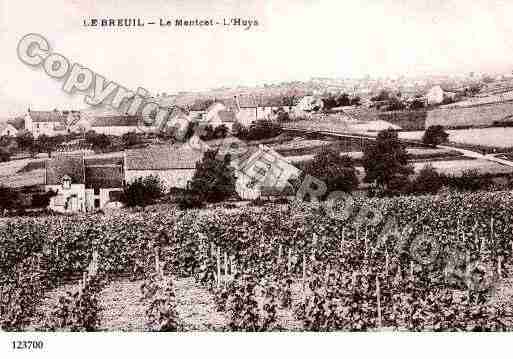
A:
x: 428, y: 181
x: 470, y: 180
x: 435, y: 135
x: 258, y: 130
x: 338, y: 173
x: 214, y: 179
x: 142, y: 191
x: 189, y: 201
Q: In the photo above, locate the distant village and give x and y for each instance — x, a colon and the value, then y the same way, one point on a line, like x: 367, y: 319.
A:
x: 85, y: 158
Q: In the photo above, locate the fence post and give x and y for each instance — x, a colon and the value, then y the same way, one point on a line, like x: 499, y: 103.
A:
x: 279, y: 254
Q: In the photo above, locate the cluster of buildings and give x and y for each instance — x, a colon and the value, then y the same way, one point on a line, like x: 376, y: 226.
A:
x: 86, y: 184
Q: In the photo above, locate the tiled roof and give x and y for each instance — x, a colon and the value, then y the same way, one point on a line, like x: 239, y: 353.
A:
x: 104, y: 176
x: 167, y: 157
x: 227, y: 116
x: 47, y: 116
x: 116, y: 120
x: 58, y: 167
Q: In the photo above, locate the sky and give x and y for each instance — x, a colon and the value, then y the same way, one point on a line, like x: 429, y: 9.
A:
x: 294, y: 40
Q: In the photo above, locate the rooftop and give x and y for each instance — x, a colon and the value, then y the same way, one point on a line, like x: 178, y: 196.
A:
x: 165, y: 157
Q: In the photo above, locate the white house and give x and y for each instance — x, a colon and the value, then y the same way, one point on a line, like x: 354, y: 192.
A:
x: 261, y: 171
x: 310, y: 103
x: 49, y: 123
x: 7, y: 129
x: 80, y: 187
x: 436, y: 95
x: 117, y: 125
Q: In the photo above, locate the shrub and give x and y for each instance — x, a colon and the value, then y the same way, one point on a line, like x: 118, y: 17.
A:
x: 338, y: 173
x: 258, y: 130
x: 214, y: 178
x: 142, y: 191
x: 428, y: 181
x: 435, y: 135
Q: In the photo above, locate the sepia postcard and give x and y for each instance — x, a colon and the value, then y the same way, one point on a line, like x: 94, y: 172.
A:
x: 285, y: 166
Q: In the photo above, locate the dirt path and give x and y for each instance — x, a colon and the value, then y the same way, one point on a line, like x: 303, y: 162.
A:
x: 196, y: 307
x: 121, y: 307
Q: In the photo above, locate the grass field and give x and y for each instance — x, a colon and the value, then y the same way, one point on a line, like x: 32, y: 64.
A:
x: 456, y: 167
x: 494, y: 137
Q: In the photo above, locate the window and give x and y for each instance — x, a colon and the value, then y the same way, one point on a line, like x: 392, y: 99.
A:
x: 96, y: 203
x: 96, y: 191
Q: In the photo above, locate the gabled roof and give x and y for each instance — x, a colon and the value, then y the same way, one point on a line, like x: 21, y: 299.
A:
x: 47, y: 116
x: 166, y: 157
x: 116, y: 120
x: 60, y: 166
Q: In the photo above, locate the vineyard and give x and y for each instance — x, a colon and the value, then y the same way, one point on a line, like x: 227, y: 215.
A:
x: 282, y: 267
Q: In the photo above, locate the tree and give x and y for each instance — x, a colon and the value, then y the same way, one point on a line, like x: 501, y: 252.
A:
x: 98, y: 141
x: 142, y: 191
x: 337, y: 172
x: 435, y: 135
x: 383, y: 95
x: 25, y: 140
x: 428, y: 181
x: 385, y: 159
x: 214, y: 178
x: 417, y: 104
x: 44, y: 144
x: 131, y: 139
x: 258, y: 130
x: 9, y: 198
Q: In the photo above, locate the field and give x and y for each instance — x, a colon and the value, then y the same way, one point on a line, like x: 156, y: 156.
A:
x: 501, y: 137
x: 280, y: 267
x: 456, y: 167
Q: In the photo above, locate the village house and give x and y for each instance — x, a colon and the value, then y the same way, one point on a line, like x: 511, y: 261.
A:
x: 309, y: 104
x: 49, y: 123
x: 436, y: 95
x: 261, y: 171
x: 117, y: 125
x: 175, y: 165
x: 82, y: 187
x: 7, y: 129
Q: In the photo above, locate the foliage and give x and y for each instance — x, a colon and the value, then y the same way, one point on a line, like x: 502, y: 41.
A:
x: 98, y: 141
x: 428, y: 181
x: 337, y: 172
x: 258, y: 130
x: 385, y: 160
x: 142, y: 191
x: 214, y: 179
x: 131, y: 139
x: 25, y: 140
x: 161, y: 312
x: 9, y: 198
x: 78, y: 311
x: 435, y: 135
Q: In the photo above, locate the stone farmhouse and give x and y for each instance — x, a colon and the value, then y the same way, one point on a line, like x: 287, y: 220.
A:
x: 82, y: 185
x: 50, y: 123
